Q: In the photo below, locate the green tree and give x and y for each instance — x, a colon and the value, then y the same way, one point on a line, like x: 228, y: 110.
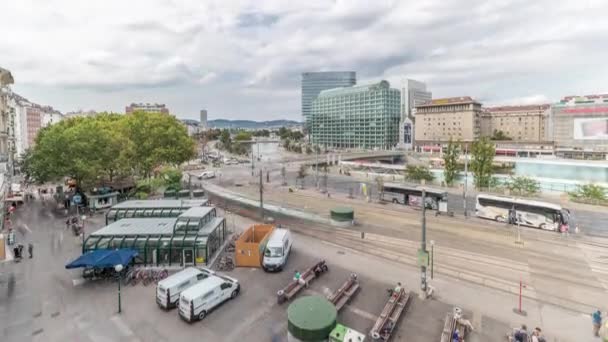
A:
x: 287, y: 144
x: 380, y: 185
x: 482, y: 157
x: 225, y: 138
x: 450, y: 161
x: 302, y: 172
x: 243, y: 136
x: 500, y: 135
x: 523, y: 186
x: 418, y: 173
x: 156, y: 139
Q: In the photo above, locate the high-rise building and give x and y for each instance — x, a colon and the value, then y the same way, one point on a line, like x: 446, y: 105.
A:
x: 439, y: 120
x: 413, y: 93
x: 356, y: 117
x: 6, y: 115
x: 519, y: 123
x: 203, y: 124
x: 579, y: 126
x: 314, y: 83
x: 147, y: 108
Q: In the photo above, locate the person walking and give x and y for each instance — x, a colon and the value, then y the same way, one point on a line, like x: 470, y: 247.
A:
x: 30, y: 249
x: 596, y: 318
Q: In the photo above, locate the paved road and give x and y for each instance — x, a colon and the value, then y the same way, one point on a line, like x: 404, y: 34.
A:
x: 593, y: 223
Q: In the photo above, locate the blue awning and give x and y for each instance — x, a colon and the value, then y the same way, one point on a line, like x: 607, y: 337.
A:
x: 102, y: 258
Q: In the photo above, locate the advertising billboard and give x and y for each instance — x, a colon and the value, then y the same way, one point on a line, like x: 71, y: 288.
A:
x: 591, y: 129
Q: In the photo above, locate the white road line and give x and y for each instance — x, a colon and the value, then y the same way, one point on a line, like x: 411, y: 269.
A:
x: 124, y: 329
x: 26, y: 227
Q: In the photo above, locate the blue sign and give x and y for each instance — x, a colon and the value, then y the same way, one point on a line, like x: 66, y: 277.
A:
x: 77, y: 199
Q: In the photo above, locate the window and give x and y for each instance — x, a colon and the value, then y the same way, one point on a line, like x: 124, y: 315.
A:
x: 225, y: 286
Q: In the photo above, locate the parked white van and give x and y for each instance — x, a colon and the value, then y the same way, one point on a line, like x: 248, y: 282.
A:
x: 197, y: 301
x: 169, y: 289
x: 277, y: 250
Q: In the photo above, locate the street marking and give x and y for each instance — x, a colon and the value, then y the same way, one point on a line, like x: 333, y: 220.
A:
x: 78, y: 281
x: 26, y: 227
x: 124, y: 329
x: 362, y: 313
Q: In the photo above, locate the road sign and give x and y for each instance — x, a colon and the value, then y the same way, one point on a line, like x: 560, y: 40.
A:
x: 77, y: 199
x: 423, y: 258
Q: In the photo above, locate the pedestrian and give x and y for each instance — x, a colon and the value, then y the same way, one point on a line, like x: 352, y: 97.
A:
x: 596, y: 318
x: 30, y: 249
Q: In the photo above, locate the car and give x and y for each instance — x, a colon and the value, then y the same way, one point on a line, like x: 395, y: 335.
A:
x: 169, y: 289
x: 198, y: 300
x: 206, y: 175
x: 277, y: 250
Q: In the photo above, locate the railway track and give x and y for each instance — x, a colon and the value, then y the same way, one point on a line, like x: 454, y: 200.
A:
x: 502, y: 273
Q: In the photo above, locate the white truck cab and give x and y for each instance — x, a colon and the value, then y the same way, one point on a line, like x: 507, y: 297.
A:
x: 169, y: 289
x: 277, y: 250
x: 197, y: 301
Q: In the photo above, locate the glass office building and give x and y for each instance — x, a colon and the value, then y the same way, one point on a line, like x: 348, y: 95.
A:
x: 314, y: 83
x: 357, y: 117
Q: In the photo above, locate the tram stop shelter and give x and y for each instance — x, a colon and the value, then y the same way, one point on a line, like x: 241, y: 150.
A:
x: 192, y: 238
x: 152, y: 208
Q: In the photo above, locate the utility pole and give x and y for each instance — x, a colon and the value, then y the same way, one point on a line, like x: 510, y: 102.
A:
x: 190, y: 184
x: 466, y: 176
x: 261, y: 197
x: 423, y: 254
x: 252, y: 163
x: 317, y: 168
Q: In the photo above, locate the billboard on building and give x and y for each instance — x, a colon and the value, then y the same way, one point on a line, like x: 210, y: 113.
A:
x: 591, y: 129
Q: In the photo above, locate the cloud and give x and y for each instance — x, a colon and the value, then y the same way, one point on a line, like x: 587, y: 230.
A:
x: 233, y: 57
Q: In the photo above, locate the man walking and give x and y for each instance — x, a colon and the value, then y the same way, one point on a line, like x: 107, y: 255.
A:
x: 30, y: 249
x: 596, y: 317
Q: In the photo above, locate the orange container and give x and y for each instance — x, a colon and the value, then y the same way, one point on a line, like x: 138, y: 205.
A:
x: 249, y: 248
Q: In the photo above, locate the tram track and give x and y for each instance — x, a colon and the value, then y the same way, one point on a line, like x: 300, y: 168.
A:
x: 568, y: 279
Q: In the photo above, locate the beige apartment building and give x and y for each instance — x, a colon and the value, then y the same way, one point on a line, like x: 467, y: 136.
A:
x: 520, y: 123
x: 439, y: 120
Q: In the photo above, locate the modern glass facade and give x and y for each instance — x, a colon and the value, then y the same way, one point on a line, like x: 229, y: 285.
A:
x: 314, y: 83
x: 190, y: 239
x: 151, y: 209
x: 357, y: 117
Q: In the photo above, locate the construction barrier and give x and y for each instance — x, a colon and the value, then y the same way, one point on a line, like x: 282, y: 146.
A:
x: 249, y: 248
x: 2, y: 248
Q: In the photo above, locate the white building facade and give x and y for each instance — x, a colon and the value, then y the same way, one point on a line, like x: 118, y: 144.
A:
x: 203, y: 123
x: 413, y: 93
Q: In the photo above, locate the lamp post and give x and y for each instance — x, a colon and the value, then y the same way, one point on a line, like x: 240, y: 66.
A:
x: 432, y: 258
x: 84, y: 217
x: 118, y: 269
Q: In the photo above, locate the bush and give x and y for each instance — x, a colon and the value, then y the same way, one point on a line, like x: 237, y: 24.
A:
x: 589, y: 192
x: 418, y: 173
x: 523, y: 186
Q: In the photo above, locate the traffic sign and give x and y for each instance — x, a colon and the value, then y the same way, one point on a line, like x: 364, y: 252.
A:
x: 77, y: 199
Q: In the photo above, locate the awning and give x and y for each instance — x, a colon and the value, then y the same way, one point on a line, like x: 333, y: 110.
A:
x: 102, y: 258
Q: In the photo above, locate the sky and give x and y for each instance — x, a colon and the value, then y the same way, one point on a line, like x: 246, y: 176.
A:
x: 244, y: 59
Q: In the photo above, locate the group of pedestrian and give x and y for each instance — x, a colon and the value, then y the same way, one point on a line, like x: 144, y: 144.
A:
x: 522, y: 335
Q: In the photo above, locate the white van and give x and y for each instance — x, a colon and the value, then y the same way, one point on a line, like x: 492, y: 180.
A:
x: 277, y: 250
x: 169, y: 289
x: 197, y: 301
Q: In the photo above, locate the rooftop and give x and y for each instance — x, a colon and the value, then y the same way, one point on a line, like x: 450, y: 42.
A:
x: 354, y: 89
x: 138, y: 226
x: 517, y: 108
x: 210, y: 226
x: 196, y: 212
x: 163, y: 203
x: 449, y: 101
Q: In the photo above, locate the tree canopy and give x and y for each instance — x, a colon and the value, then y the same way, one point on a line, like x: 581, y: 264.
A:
x: 482, y: 158
x: 450, y: 161
x: 107, y: 145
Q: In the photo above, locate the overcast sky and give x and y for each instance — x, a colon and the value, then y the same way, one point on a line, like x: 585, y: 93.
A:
x: 243, y: 59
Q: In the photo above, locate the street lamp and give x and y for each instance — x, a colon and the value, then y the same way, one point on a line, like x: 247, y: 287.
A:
x: 432, y: 257
x: 118, y: 269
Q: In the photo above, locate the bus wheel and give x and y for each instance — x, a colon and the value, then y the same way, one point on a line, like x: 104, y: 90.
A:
x: 542, y: 226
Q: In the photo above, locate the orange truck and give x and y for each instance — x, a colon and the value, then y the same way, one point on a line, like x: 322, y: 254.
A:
x: 249, y: 247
